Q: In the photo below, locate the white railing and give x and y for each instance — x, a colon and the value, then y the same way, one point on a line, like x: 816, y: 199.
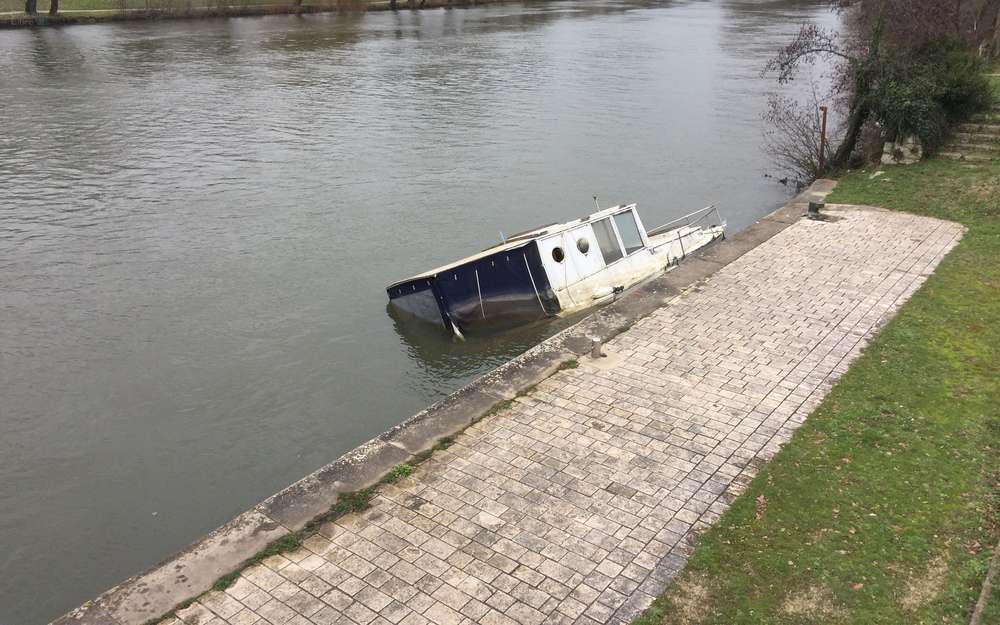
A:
x: 690, y: 219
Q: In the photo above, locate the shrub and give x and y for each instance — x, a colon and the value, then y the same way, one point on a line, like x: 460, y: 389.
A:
x: 924, y: 92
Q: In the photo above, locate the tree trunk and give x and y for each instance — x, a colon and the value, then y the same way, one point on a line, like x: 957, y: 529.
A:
x: 860, y: 107
x: 856, y: 121
x: 54, y: 7
x: 31, y: 7
x: 996, y: 36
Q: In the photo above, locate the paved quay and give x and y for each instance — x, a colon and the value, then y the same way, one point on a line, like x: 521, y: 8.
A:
x: 577, y: 503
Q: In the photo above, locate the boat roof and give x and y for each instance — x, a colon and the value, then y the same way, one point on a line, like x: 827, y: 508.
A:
x: 520, y: 240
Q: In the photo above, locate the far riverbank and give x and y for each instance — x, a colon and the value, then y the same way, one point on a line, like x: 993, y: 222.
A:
x: 100, y: 11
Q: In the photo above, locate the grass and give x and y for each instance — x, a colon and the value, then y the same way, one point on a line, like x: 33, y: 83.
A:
x: 884, y: 506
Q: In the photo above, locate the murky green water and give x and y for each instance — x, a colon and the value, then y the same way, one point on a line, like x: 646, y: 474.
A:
x: 197, y: 220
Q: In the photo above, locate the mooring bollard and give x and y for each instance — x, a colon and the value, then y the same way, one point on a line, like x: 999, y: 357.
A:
x: 814, y: 208
x: 595, y: 348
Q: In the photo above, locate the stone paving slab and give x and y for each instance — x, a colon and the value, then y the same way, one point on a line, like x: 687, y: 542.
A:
x: 576, y: 505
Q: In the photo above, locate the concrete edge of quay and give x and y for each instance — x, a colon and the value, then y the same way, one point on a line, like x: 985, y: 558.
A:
x: 191, y: 572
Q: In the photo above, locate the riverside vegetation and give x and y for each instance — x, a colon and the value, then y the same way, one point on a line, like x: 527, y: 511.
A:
x: 902, y: 70
x: 884, y: 507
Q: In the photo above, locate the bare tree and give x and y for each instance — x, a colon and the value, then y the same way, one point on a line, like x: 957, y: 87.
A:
x: 856, y: 63
x: 876, y: 33
x: 986, y: 27
x: 792, y: 138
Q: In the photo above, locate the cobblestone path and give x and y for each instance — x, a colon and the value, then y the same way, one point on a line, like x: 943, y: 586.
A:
x: 575, y: 504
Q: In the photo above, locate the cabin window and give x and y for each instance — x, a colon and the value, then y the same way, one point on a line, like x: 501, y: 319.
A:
x: 583, y: 245
x: 607, y: 240
x: 557, y: 254
x: 629, y: 232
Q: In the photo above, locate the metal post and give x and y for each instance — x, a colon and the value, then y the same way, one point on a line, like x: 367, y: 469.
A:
x: 595, y: 348
x: 681, y: 241
x: 822, y: 141
x: 718, y: 216
x: 532, y: 278
x: 482, y: 307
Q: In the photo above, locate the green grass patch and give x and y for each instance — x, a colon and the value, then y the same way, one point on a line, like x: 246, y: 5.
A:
x: 422, y: 456
x: 883, y: 507
x: 498, y: 407
x: 398, y: 472
x: 286, y: 543
x: 354, y: 501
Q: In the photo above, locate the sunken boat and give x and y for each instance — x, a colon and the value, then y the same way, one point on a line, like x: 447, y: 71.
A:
x: 553, y: 270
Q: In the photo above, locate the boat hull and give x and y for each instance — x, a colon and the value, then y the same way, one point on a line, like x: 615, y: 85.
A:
x: 506, y: 288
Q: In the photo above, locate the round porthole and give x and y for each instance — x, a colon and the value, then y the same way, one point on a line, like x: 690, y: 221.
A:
x: 583, y: 245
x: 558, y: 255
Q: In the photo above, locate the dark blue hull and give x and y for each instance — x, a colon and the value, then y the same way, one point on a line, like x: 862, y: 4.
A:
x: 506, y: 288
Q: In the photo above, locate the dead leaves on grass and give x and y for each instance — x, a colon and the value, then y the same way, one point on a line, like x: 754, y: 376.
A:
x: 761, y: 507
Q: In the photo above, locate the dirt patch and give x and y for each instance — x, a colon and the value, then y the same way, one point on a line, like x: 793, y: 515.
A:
x: 923, y: 589
x: 691, y: 599
x: 986, y: 192
x: 815, y: 604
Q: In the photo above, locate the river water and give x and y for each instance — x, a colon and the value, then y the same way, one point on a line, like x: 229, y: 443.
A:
x: 197, y: 220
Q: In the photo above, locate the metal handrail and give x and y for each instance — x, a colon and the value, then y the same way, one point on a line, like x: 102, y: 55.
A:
x: 687, y: 219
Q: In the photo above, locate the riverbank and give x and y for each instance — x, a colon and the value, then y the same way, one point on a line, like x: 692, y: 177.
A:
x: 574, y: 500
x: 884, y: 507
x: 98, y: 11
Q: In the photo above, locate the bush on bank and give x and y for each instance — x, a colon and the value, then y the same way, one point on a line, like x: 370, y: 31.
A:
x: 926, y: 92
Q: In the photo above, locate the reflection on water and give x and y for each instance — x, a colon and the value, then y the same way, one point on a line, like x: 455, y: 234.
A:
x: 198, y: 219
x: 442, y: 355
